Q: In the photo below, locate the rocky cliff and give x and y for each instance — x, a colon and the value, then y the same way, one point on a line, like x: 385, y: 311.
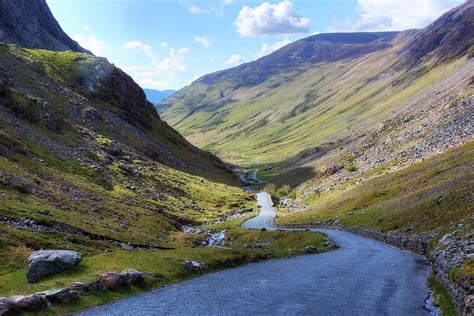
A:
x: 30, y: 23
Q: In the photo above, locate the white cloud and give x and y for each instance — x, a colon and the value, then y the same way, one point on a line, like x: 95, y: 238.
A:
x: 86, y: 28
x: 234, y: 60
x: 270, y: 48
x: 194, y: 9
x: 142, y: 47
x: 393, y: 15
x: 279, y: 18
x: 91, y: 43
x: 160, y: 73
x: 163, y: 44
x: 204, y: 41
x: 206, y: 6
x: 174, y: 62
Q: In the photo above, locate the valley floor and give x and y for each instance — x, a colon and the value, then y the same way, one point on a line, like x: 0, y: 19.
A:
x: 394, y: 283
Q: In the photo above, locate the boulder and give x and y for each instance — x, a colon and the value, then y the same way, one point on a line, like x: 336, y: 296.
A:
x: 112, y: 281
x: 58, y: 296
x: 42, y: 263
x: 94, y: 286
x: 132, y: 277
x: 31, y: 302
x: 192, y: 265
x: 310, y: 249
x: 9, y: 307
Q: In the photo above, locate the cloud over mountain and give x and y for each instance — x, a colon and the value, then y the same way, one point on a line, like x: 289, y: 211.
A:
x: 268, y: 19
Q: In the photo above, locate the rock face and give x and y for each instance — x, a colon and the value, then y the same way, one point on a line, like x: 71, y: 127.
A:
x: 30, y: 23
x: 47, y: 262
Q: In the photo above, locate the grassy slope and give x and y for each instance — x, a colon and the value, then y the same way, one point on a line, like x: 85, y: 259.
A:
x: 394, y: 200
x: 168, y: 264
x: 55, y: 169
x: 323, y: 103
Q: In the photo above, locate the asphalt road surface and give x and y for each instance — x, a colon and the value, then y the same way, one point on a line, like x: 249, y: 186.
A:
x: 362, y: 277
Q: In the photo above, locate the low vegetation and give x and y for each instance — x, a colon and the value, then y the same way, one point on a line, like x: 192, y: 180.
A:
x: 241, y: 246
x: 441, y: 298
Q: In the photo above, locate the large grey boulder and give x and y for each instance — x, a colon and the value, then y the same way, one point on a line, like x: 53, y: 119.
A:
x: 42, y: 263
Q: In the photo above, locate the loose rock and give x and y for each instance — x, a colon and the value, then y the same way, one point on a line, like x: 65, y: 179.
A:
x: 31, y: 302
x: 310, y: 249
x: 193, y: 265
x: 42, y: 263
x: 57, y: 296
x: 9, y: 307
x: 112, y: 281
x: 132, y: 276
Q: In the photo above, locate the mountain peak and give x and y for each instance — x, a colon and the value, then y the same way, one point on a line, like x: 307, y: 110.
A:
x: 30, y: 23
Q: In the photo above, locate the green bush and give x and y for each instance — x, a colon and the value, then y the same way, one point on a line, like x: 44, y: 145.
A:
x: 351, y: 168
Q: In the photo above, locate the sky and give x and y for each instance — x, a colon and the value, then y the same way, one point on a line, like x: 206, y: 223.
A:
x: 167, y: 44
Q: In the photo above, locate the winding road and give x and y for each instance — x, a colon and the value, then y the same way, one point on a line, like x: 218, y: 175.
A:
x: 361, y: 277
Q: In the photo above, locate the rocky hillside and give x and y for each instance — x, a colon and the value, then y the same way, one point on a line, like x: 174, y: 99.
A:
x: 86, y: 163
x: 30, y: 23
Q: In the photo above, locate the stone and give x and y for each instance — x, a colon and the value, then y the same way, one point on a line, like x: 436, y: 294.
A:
x: 31, y: 302
x: 310, y: 249
x: 42, y: 263
x: 132, y: 276
x: 112, y: 281
x: 94, y: 286
x: 9, y: 307
x: 57, y: 296
x: 224, y: 261
x: 191, y: 265
x: 79, y: 286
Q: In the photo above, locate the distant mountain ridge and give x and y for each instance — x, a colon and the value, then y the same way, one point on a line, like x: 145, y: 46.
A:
x: 156, y: 96
x: 30, y: 23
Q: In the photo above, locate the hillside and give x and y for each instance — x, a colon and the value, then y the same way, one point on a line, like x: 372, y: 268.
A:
x: 369, y: 132
x: 86, y: 163
x: 323, y: 90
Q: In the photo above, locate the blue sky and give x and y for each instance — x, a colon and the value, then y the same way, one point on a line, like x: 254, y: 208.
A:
x: 166, y: 44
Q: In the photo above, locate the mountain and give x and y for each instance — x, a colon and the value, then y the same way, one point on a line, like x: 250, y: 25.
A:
x: 156, y: 96
x: 371, y: 132
x: 319, y: 90
x: 30, y: 23
x: 86, y: 163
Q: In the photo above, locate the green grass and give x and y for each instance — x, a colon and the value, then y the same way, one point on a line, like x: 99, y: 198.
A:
x: 167, y: 264
x: 394, y: 200
x: 271, y: 124
x: 441, y: 298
